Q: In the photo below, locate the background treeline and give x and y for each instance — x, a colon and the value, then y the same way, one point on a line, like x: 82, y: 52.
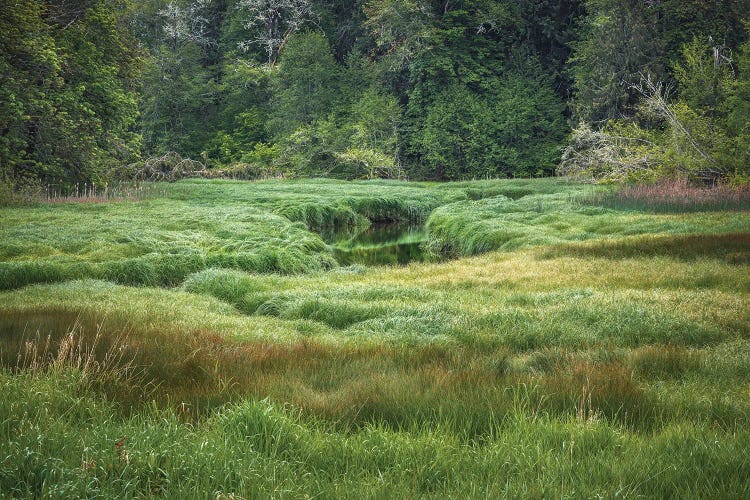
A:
x: 377, y: 88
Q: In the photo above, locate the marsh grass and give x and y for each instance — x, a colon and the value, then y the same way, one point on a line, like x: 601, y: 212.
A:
x: 323, y: 204
x: 664, y: 361
x: 501, y: 223
x: 616, y: 366
x: 730, y: 248
x: 534, y: 443
x: 674, y: 197
x: 91, y: 193
x: 100, y: 362
x: 380, y: 357
x: 153, y: 243
x: 252, y: 448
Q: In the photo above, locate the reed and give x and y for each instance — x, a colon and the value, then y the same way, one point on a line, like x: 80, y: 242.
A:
x: 675, y: 196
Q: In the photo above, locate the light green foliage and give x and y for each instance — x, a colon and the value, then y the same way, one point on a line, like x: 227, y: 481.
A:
x: 619, y: 152
x: 704, y: 75
x: 376, y: 117
x: 367, y: 163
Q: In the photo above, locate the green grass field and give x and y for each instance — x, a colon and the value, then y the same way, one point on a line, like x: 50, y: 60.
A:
x: 206, y: 343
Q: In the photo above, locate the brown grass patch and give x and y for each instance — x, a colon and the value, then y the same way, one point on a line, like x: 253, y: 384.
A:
x: 593, y: 391
x: 676, y: 196
x: 664, y: 361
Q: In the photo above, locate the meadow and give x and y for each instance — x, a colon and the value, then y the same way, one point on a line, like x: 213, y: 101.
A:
x: 560, y: 340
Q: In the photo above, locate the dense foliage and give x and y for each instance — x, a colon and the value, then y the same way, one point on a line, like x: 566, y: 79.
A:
x: 68, y: 102
x: 380, y: 88
x: 660, y: 90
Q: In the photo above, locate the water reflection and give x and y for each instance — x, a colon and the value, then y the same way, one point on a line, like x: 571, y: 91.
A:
x: 380, y: 244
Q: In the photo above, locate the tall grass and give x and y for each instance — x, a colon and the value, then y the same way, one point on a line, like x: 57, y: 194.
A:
x: 255, y: 449
x: 101, y: 361
x: 731, y: 248
x: 674, y: 196
x: 91, y: 193
x: 192, y: 225
x: 251, y: 365
x: 445, y: 345
x: 500, y: 223
x: 154, y: 243
x: 322, y: 203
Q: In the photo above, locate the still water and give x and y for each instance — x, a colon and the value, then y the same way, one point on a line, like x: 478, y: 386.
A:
x: 379, y: 245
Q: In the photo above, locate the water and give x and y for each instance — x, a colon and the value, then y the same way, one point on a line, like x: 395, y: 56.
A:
x: 379, y: 245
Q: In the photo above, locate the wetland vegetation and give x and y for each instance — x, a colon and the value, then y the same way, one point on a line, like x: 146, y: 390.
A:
x: 208, y: 340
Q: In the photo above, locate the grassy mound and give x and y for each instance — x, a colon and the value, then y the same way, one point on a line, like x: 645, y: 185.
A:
x: 154, y: 243
x: 321, y: 203
x: 501, y: 223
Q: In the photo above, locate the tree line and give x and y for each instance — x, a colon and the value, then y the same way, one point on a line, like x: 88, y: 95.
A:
x: 423, y: 89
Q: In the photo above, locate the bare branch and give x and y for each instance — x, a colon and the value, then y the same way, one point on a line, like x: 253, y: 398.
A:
x: 656, y: 94
x: 274, y: 22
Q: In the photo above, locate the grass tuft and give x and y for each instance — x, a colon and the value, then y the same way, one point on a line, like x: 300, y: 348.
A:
x: 664, y: 361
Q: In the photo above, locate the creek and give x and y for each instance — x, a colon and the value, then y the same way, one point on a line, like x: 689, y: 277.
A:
x: 378, y: 245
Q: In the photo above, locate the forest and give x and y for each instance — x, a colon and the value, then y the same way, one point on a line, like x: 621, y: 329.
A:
x: 98, y: 91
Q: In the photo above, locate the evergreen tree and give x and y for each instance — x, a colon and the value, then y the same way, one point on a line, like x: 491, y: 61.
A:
x: 305, y: 85
x: 470, y: 83
x: 618, y: 46
x: 67, y: 90
x: 180, y: 95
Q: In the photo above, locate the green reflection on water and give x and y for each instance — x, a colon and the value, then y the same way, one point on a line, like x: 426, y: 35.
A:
x: 380, y: 244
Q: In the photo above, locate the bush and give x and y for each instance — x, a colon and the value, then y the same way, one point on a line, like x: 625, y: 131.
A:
x: 16, y: 191
x: 619, y: 152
